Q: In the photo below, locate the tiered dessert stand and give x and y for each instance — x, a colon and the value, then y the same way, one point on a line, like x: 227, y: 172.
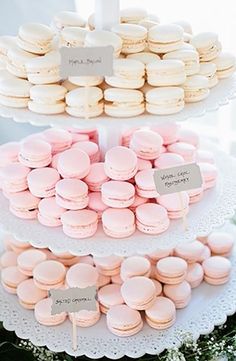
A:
x: 210, y: 305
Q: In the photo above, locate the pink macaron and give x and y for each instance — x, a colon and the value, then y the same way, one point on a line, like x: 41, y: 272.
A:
x: 168, y: 160
x: 90, y: 148
x: 135, y: 266
x: 82, y: 275
x: 43, y: 313
x: 29, y: 294
x: 159, y: 254
x: 152, y: 218
x: 171, y: 270
x: 196, y: 194
x: 73, y: 163
x: 209, y: 174
x: 11, y: 277
x: 146, y: 144
x: 186, y: 150
x: 145, y: 185
x: 108, y: 266
x: 190, y: 252
x: 123, y: 321
x: 14, y: 178
x: 24, y: 205
x: 220, y: 243
x: 144, y: 164
x: 118, y: 223
x: 175, y: 206
x: 29, y: 259
x: 162, y: 314
x: 138, y: 201
x: 13, y: 244
x: 130, y: 291
x: 80, y: 224
x: 85, y: 318
x: 96, y: 204
x: 96, y: 177
x: 8, y: 259
x: 180, y: 294
x: 168, y: 131
x: 59, y: 139
x: 194, y: 275
x: 72, y: 194
x: 188, y: 136
x: 49, y: 274
x: 9, y: 153
x: 42, y: 182
x: 109, y: 296
x: 66, y: 258
x: 35, y: 153
x: 50, y: 212
x: 120, y: 163
x: 216, y: 270
x: 118, y: 194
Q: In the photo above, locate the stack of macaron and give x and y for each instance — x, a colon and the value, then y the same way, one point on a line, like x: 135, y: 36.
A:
x: 155, y: 285
x: 157, y: 67
x: 57, y: 177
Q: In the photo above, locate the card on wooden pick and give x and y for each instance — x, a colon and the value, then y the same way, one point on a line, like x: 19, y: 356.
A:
x: 178, y: 179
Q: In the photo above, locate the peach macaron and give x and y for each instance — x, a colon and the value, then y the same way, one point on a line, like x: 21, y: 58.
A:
x: 162, y: 314
x: 123, y: 321
x: 49, y: 274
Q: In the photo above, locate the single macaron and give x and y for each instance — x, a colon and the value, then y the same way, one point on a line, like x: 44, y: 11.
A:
x: 42, y: 182
x: 81, y: 275
x: 176, y: 205
x: 133, y: 37
x: 43, y: 313
x: 96, y: 204
x: 29, y: 294
x: 11, y: 277
x: 73, y: 163
x: 118, y: 223
x: 190, y: 252
x: 8, y: 259
x: 180, y: 294
x: 196, y: 88
x: 130, y: 291
x: 189, y: 57
x: 86, y: 81
x: 168, y: 160
x: 14, y: 92
x: 14, y: 178
x: 194, y: 275
x: 9, y: 153
x: 135, y: 266
x: 123, y: 102
x: 49, y: 275
x: 225, y: 65
x: 59, y: 139
x: 109, y: 296
x: 67, y: 19
x: 209, y: 174
x: 120, y: 163
x: 159, y: 254
x: 162, y: 314
x: 166, y: 73
x: 50, y: 212
x: 91, y: 148
x: 152, y: 218
x: 165, y: 100
x: 118, y: 194
x: 146, y: 144
x: 108, y: 266
x: 132, y: 15
x: 16, y: 61
x: 145, y: 185
x: 35, y: 38
x: 220, y: 243
x: 35, y: 153
x: 24, y: 205
x: 216, y: 270
x: 123, y: 321
x: 86, y: 318
x: 104, y: 38
x: 188, y: 136
x: 127, y: 74
x: 145, y: 57
x: 85, y: 102
x: 209, y: 70
x: 207, y: 45
x: 47, y: 99
x: 29, y: 259
x: 80, y: 224
x: 72, y: 194
x: 168, y: 130
x: 171, y: 270
x: 165, y: 38
x: 73, y: 37
x: 186, y: 150
x: 96, y: 177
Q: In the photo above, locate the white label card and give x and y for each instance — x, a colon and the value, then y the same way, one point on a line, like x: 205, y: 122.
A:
x: 86, y: 61
x: 74, y: 300
x: 178, y: 179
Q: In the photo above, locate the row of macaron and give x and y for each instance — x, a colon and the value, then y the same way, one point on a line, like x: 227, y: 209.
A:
x: 120, y: 187
x: 165, y: 278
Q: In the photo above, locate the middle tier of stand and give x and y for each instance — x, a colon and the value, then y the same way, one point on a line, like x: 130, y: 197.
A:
x: 217, y: 205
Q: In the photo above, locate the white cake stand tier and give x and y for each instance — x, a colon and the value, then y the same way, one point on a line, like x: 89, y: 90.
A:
x: 212, y: 211
x: 209, y: 307
x: 220, y: 95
